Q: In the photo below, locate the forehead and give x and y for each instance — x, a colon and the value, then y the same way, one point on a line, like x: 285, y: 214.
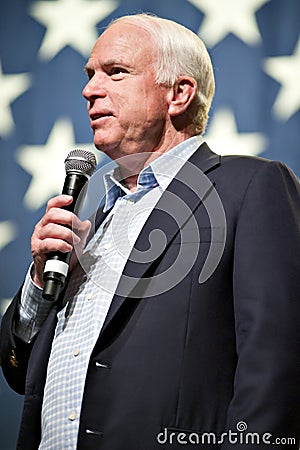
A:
x: 122, y: 40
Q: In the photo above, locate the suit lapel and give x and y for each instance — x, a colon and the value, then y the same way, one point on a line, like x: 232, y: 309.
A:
x: 184, y: 194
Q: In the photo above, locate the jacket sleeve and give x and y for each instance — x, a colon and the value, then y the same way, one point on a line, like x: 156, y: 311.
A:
x: 14, y: 353
x: 266, y: 277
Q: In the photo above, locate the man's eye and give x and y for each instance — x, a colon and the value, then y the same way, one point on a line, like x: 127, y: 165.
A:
x: 118, y: 71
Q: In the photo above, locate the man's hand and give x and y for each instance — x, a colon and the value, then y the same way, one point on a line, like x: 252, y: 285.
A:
x: 53, y: 233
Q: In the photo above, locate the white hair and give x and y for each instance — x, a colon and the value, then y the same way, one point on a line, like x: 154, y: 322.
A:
x: 179, y: 52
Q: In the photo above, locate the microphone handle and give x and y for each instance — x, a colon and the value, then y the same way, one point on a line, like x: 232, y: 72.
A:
x: 57, y: 263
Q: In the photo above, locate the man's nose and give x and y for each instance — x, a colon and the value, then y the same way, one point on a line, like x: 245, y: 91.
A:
x: 94, y: 88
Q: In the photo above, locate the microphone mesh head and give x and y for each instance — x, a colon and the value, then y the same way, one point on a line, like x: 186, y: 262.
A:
x: 80, y: 161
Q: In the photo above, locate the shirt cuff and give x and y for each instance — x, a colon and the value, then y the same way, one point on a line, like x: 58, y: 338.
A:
x: 32, y: 311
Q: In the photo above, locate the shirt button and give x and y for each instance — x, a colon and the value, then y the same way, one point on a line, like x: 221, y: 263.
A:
x: 73, y: 415
x: 107, y: 246
x: 89, y: 296
x: 131, y: 201
x: 76, y: 352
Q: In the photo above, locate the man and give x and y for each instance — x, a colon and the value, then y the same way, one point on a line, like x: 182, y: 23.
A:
x: 179, y: 323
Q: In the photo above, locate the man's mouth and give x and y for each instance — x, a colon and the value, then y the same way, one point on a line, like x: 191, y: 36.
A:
x: 97, y: 116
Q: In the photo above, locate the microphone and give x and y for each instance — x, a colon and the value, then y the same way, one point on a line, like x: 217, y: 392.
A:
x: 79, y: 166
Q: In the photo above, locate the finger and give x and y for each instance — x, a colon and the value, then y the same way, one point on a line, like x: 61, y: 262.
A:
x: 53, y: 245
x: 59, y: 201
x: 83, y: 229
x: 62, y: 217
x: 83, y: 232
x: 42, y: 242
x: 57, y: 231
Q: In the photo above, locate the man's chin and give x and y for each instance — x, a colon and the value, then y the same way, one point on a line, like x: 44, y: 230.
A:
x: 108, y: 149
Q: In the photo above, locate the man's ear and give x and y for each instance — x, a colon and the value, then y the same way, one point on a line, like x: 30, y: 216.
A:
x: 183, y: 93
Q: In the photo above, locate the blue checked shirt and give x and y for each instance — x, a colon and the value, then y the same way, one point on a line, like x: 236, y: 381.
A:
x: 89, y: 293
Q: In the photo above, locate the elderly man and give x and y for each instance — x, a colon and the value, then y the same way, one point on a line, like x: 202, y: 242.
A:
x: 179, y: 321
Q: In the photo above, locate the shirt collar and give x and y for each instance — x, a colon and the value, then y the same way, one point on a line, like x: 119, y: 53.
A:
x: 168, y: 164
x: 159, y: 172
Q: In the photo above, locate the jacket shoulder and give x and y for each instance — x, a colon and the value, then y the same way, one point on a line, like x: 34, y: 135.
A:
x: 244, y: 161
x: 251, y: 167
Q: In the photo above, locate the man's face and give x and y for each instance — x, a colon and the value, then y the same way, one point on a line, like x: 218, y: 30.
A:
x: 128, y: 111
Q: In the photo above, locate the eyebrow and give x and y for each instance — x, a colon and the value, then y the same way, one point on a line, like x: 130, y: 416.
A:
x: 107, y: 63
x: 112, y: 61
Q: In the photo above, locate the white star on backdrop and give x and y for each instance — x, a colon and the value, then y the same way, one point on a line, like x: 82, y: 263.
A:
x: 46, y: 163
x: 225, y: 139
x: 229, y: 16
x: 286, y: 70
x: 70, y: 22
x: 11, y: 87
x: 8, y: 232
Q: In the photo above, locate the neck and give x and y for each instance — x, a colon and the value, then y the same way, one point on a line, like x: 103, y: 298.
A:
x: 131, y: 165
x: 130, y: 182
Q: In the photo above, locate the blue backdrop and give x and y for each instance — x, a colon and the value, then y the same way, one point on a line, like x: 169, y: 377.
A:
x: 44, y: 45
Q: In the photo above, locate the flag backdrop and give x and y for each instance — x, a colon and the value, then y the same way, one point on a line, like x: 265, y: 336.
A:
x: 44, y: 45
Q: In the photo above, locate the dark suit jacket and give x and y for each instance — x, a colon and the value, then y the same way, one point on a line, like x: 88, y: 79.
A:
x: 180, y: 357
